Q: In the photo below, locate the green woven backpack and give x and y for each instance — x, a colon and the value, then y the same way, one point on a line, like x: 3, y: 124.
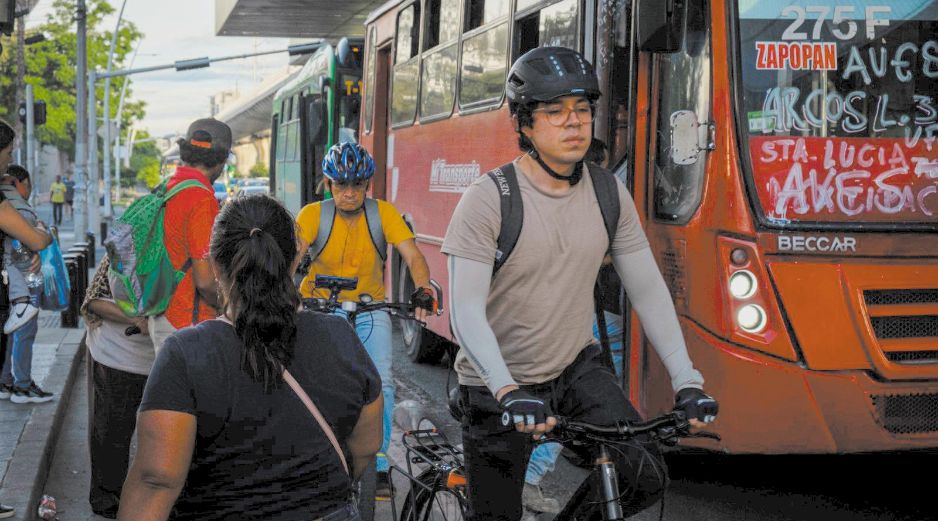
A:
x: 139, y: 260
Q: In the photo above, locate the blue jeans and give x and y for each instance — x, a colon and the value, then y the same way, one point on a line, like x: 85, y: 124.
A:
x: 374, y: 330
x: 17, y: 368
x: 545, y: 456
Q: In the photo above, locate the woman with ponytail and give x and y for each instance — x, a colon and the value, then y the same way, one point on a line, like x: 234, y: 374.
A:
x: 219, y: 413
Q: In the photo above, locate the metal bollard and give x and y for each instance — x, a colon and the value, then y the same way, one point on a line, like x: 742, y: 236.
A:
x: 83, y: 264
x: 70, y: 315
x: 89, y: 238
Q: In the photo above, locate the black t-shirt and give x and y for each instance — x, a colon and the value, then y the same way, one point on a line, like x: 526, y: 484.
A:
x: 259, y: 455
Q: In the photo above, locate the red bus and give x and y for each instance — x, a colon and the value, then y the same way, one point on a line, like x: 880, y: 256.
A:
x: 782, y: 156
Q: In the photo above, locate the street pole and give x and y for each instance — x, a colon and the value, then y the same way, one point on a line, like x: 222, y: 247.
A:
x: 30, y: 144
x: 80, y: 202
x: 94, y: 210
x: 120, y: 110
x: 107, y: 117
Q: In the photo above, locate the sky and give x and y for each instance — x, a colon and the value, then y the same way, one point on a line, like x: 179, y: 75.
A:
x: 184, y: 29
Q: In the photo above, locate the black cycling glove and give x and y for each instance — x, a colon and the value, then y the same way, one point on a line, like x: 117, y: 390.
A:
x: 423, y: 298
x: 696, y: 404
x: 523, y: 407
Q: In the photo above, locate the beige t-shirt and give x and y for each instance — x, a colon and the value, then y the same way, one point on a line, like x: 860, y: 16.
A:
x: 540, y: 303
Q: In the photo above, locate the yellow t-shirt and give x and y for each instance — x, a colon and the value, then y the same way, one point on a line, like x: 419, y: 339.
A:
x: 58, y: 192
x: 350, y: 252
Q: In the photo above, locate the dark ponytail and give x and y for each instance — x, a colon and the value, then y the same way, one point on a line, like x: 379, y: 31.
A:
x: 7, y: 134
x: 253, y: 246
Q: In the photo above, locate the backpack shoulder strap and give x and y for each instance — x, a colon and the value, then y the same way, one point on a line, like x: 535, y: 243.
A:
x: 326, y: 219
x: 189, y: 183
x: 512, y: 213
x: 607, y: 194
x: 373, y: 219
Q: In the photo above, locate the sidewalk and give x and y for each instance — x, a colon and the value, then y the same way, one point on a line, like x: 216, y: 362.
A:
x: 28, y: 432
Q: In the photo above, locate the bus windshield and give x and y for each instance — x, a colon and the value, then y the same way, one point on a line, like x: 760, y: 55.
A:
x: 839, y: 111
x: 349, y: 98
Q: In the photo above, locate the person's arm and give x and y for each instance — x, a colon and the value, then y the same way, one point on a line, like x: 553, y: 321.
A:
x: 366, y: 438
x: 469, y: 282
x: 203, y: 276
x: 419, y: 271
x: 650, y: 298
x: 165, y: 441
x: 14, y: 225
x: 111, y: 311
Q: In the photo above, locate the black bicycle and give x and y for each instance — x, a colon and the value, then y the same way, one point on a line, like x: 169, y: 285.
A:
x: 364, y: 489
x: 438, y: 492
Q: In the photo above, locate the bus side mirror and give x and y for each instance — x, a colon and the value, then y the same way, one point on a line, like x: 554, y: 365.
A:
x: 344, y: 53
x: 315, y: 118
x: 660, y: 25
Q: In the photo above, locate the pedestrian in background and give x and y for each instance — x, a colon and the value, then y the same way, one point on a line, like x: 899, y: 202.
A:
x: 118, y: 366
x: 57, y: 196
x: 228, y: 409
x: 69, y: 195
x: 16, y: 382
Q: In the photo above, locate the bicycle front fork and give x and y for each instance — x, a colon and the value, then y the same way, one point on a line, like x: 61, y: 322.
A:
x: 609, y: 485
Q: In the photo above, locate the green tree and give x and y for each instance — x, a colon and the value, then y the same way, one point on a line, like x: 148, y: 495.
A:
x: 50, y: 69
x: 145, y: 161
x: 259, y: 170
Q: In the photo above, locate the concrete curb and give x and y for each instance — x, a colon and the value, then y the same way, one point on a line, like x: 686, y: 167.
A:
x: 29, y: 468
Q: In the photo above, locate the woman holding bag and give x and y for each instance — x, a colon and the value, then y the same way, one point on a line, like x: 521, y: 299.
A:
x: 220, y: 413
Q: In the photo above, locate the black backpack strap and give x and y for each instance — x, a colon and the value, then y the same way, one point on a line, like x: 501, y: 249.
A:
x: 607, y: 194
x: 373, y: 219
x: 512, y: 213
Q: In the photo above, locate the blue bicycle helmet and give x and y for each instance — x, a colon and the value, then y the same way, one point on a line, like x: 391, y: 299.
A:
x: 348, y: 163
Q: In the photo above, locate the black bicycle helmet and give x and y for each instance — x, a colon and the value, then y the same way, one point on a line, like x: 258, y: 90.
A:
x: 547, y: 73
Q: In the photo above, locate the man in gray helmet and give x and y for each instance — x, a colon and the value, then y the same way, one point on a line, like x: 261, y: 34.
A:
x: 525, y: 333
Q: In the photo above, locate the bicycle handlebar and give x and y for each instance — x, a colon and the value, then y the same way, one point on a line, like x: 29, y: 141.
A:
x: 666, y: 427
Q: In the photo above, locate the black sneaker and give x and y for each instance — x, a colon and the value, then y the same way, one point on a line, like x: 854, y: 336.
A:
x: 6, y: 391
x: 383, y: 487
x: 6, y: 511
x: 32, y: 394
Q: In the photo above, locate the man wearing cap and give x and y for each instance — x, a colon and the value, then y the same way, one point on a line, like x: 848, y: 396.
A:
x: 187, y: 228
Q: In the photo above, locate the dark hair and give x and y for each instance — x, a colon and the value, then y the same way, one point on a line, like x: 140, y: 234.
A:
x: 196, y: 156
x: 7, y: 134
x: 19, y: 172
x: 253, y: 246
x: 525, y: 114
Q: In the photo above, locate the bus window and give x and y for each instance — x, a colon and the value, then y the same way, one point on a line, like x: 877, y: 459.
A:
x: 482, y: 12
x: 484, y: 66
x: 684, y: 79
x: 406, y: 68
x: 371, y: 66
x: 839, y: 111
x: 438, y: 85
x: 554, y: 25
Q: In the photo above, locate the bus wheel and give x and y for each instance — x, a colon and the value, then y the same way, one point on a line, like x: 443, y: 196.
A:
x: 421, y: 346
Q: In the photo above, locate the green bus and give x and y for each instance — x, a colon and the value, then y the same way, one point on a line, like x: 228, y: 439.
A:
x: 315, y: 110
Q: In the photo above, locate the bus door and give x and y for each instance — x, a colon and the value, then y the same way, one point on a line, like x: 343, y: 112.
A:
x: 382, y: 71
x: 315, y: 131
x: 677, y: 140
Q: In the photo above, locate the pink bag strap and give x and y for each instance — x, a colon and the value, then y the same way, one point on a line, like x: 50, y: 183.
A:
x: 308, y: 402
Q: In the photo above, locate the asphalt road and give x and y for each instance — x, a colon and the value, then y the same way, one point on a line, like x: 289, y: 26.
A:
x: 710, y: 487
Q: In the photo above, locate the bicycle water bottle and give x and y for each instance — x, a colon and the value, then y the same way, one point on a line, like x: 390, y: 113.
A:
x: 22, y: 258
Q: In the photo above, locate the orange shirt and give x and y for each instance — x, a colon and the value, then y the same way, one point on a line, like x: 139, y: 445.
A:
x: 350, y: 252
x: 187, y: 232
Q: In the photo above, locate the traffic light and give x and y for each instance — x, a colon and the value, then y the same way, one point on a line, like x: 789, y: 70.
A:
x: 39, y: 112
x: 7, y: 11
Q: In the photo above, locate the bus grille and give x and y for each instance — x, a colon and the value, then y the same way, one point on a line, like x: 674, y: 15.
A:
x: 673, y: 262
x: 907, y: 414
x: 885, y: 297
x: 905, y: 324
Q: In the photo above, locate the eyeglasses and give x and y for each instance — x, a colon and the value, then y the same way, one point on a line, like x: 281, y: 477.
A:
x: 558, y: 115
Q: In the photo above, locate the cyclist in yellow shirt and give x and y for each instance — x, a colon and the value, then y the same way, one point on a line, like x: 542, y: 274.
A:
x: 343, y: 239
x: 57, y: 192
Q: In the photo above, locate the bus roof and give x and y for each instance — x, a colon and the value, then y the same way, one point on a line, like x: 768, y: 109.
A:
x: 385, y: 7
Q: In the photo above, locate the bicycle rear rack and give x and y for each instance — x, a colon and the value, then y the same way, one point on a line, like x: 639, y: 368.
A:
x: 429, y: 450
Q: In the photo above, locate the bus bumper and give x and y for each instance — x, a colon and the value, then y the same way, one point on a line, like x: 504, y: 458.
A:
x: 773, y: 406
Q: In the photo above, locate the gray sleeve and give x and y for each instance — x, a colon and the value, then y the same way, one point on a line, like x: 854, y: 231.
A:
x: 469, y: 282
x: 649, y: 296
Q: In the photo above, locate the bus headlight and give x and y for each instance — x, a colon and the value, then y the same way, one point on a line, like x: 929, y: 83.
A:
x: 742, y: 284
x: 751, y: 318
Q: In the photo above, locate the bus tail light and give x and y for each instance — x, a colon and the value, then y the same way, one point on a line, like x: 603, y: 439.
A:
x: 751, y: 316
